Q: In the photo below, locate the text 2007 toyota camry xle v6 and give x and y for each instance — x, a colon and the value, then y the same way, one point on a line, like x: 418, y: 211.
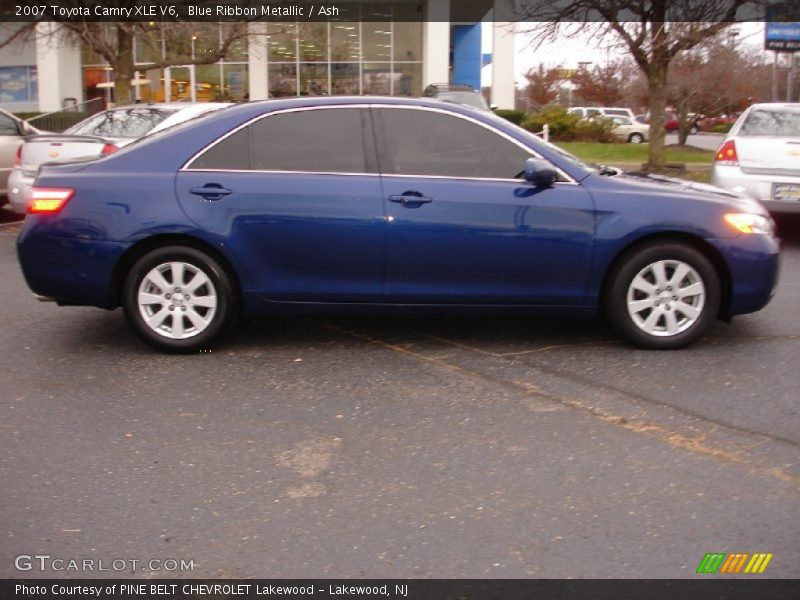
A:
x: 357, y: 203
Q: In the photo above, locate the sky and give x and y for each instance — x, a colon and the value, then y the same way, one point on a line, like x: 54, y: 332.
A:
x: 568, y: 53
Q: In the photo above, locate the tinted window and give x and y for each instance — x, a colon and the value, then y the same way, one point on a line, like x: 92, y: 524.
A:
x: 616, y: 111
x: 592, y: 112
x: 8, y: 126
x: 421, y: 142
x: 231, y: 154
x: 328, y: 140
x: 125, y: 123
x: 325, y: 140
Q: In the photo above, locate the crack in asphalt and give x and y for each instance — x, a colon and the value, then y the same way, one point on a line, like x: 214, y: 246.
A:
x: 669, y: 436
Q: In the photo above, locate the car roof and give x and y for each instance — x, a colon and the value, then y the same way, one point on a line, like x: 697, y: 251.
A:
x: 776, y: 105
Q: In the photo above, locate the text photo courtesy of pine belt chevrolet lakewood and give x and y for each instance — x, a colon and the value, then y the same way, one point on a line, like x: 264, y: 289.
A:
x: 356, y: 204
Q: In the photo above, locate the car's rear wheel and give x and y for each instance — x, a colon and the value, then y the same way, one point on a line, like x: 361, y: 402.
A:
x: 663, y: 296
x: 178, y: 299
x: 694, y: 130
x: 636, y: 138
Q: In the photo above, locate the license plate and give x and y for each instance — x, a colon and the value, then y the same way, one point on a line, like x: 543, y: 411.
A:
x: 786, y: 192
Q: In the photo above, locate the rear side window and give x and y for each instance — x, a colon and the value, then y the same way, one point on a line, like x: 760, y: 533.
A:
x: 323, y: 141
x: 772, y: 123
x: 422, y: 142
x: 122, y: 123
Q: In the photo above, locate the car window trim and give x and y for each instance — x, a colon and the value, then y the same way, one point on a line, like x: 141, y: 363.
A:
x: 367, y: 144
x: 371, y: 152
x: 380, y: 133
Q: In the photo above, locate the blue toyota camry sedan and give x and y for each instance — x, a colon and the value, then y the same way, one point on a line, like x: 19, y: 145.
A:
x: 321, y: 204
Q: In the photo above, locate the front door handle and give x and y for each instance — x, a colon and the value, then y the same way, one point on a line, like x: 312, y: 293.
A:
x: 210, y: 191
x: 412, y: 199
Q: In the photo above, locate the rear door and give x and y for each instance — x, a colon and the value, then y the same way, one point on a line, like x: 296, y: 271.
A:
x: 295, y: 195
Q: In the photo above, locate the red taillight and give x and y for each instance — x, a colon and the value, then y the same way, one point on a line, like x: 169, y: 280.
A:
x: 48, y: 200
x: 108, y: 149
x: 726, y: 154
x: 18, y: 157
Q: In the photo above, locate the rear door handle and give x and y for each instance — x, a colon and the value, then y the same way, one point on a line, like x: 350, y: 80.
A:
x: 411, y: 199
x: 210, y: 191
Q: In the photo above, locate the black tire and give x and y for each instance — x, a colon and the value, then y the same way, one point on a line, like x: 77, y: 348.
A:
x: 636, y: 138
x: 694, y: 130
x: 219, y: 284
x: 635, y: 263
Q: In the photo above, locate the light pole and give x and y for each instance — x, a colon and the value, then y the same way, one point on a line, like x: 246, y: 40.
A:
x: 732, y: 33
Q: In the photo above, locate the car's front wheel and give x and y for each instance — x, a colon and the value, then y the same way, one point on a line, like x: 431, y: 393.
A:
x: 178, y: 299
x: 636, y: 138
x: 663, y: 296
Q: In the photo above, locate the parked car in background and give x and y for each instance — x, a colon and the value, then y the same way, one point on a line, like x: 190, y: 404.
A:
x: 672, y: 122
x: 760, y: 156
x: 710, y: 123
x: 369, y: 203
x: 591, y: 112
x: 102, y: 133
x: 457, y: 94
x: 630, y: 130
x: 12, y: 133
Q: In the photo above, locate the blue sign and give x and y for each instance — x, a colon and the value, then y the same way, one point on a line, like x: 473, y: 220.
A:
x: 780, y: 33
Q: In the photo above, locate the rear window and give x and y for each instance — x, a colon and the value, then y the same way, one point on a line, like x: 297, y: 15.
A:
x: 775, y: 123
x: 121, y: 123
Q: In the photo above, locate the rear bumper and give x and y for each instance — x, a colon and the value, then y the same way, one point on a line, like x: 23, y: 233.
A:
x: 755, y: 186
x: 19, y: 187
x: 68, y: 270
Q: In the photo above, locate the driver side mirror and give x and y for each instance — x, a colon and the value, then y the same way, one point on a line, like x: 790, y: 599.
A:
x: 539, y: 172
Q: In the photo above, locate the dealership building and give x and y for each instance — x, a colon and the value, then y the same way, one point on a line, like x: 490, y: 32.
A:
x: 385, y: 48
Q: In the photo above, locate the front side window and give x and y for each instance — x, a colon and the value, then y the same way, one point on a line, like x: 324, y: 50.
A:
x: 429, y: 143
x: 322, y: 141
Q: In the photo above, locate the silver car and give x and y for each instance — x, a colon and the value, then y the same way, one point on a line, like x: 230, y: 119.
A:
x: 97, y: 135
x: 12, y: 132
x: 760, y: 157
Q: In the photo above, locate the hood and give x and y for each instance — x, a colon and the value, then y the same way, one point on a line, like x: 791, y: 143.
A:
x: 664, y: 185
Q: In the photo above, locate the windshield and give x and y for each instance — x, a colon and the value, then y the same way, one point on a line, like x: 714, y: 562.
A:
x: 473, y: 99
x: 775, y: 123
x: 121, y: 123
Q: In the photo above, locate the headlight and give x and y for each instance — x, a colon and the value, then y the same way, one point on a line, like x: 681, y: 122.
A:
x: 749, y: 223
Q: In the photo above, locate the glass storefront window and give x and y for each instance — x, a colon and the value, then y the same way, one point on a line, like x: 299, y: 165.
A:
x: 408, y: 79
x: 377, y: 79
x: 235, y: 82
x: 313, y: 79
x: 344, y: 79
x: 313, y: 44
x: 282, y: 42
x: 18, y: 84
x: 282, y: 80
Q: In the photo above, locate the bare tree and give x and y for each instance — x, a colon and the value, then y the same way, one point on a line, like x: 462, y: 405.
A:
x: 543, y: 85
x: 653, y: 32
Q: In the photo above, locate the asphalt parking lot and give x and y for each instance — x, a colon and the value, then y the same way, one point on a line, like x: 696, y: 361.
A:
x: 329, y: 447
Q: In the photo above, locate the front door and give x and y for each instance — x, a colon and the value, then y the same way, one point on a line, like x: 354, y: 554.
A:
x: 463, y: 228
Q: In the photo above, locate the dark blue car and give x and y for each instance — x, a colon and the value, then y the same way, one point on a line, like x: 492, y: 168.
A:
x: 361, y: 203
